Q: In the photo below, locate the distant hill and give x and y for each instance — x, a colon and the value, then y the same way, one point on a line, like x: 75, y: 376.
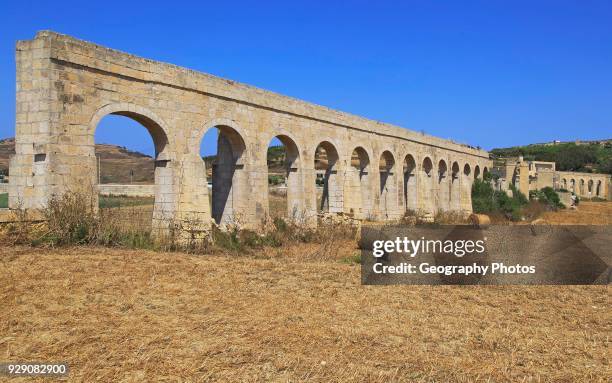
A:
x: 592, y: 157
x: 116, y: 162
x: 7, y: 147
x: 120, y: 165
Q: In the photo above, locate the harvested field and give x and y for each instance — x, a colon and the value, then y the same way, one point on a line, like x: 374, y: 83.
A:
x: 587, y: 213
x: 287, y: 315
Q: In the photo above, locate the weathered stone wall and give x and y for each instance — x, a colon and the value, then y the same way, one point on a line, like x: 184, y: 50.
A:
x: 585, y: 185
x: 65, y: 86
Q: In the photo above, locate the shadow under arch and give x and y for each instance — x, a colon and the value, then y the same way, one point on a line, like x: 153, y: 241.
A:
x: 443, y: 202
x: 426, y: 180
x: 466, y: 188
x: 292, y: 173
x: 455, y: 187
x: 326, y: 163
x: 230, y: 187
x: 388, y: 184
x: 598, y: 191
x: 410, y: 183
x: 358, y: 184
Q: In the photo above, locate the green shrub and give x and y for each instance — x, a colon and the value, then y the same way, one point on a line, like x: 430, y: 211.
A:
x: 275, y: 180
x: 519, y: 196
x: 3, y: 200
x: 486, y: 200
x: 552, y: 198
x: 483, y: 197
x: 352, y: 259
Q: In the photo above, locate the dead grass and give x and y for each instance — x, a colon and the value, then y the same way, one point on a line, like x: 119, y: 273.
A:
x: 121, y: 315
x: 290, y: 313
x: 587, y: 213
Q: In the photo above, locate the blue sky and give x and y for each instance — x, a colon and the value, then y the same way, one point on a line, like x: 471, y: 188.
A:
x: 488, y: 73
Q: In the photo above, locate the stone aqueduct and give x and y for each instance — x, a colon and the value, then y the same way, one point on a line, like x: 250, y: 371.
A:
x: 375, y: 170
x: 586, y: 185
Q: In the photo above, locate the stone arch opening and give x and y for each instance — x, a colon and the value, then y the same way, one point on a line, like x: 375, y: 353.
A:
x: 581, y: 187
x: 466, y: 188
x: 285, y: 191
x: 358, y: 193
x: 127, y: 176
x: 388, y: 185
x: 443, y: 202
x: 590, y: 188
x: 455, y: 187
x: 328, y: 183
x: 598, y: 190
x: 477, y: 172
x: 564, y: 183
x: 427, y: 185
x: 410, y: 183
x: 224, y: 151
x: 573, y: 185
x: 485, y: 173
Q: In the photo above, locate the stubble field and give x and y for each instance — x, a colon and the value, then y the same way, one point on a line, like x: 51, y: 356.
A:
x: 291, y: 314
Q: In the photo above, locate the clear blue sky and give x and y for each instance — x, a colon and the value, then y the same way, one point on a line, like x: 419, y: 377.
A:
x: 488, y: 73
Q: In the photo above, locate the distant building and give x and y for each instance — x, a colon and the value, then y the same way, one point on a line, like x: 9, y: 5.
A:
x: 536, y: 175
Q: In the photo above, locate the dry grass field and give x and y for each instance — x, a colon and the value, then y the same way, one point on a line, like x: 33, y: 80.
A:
x: 587, y: 213
x: 291, y: 314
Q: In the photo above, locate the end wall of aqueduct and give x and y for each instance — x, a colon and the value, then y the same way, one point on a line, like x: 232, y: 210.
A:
x: 66, y: 86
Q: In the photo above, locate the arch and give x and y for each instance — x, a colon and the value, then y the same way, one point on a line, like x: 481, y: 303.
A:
x: 466, y: 188
x: 426, y: 180
x: 388, y: 185
x: 476, y: 172
x: 156, y: 126
x: 598, y: 191
x: 230, y: 184
x: 326, y: 170
x: 573, y: 185
x: 443, y: 195
x: 581, y: 186
x: 485, y: 173
x: 410, y: 183
x: 280, y: 132
x: 197, y: 135
x: 564, y: 183
x: 164, y: 203
x: 455, y: 187
x: 357, y: 193
x: 590, y: 188
x: 293, y: 176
